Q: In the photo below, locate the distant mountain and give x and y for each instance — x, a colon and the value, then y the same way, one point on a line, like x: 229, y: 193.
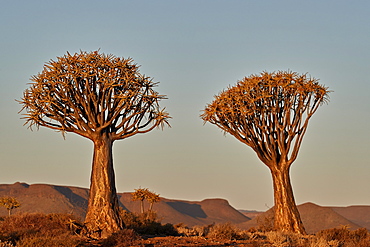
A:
x: 250, y: 213
x: 359, y: 215
x: 47, y: 198
x: 314, y: 218
x: 67, y: 199
x: 190, y: 213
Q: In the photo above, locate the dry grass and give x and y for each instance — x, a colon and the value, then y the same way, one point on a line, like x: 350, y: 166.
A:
x: 224, y: 231
x: 343, y: 237
x: 125, y: 237
x: 38, y: 230
x: 336, y: 237
x: 53, y: 230
x: 147, y: 224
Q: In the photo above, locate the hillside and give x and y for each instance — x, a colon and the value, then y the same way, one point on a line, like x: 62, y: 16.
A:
x: 190, y: 213
x: 67, y: 199
x: 359, y: 215
x: 314, y: 218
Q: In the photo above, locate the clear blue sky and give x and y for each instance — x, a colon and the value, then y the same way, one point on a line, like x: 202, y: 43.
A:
x: 195, y: 49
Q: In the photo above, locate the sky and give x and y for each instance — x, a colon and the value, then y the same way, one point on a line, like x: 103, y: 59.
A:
x: 195, y: 49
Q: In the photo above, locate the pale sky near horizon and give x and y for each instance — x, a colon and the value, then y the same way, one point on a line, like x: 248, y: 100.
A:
x: 195, y: 49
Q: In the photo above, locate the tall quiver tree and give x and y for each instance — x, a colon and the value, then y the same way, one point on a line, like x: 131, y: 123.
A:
x: 270, y: 112
x: 103, y: 98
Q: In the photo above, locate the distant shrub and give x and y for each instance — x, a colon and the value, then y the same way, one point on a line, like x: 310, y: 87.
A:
x: 147, y: 224
x: 184, y: 230
x: 202, y: 231
x: 125, y: 237
x: 224, y: 231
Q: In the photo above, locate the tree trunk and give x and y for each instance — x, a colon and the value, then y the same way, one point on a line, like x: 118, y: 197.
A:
x: 287, y: 218
x: 142, y: 206
x: 102, y: 217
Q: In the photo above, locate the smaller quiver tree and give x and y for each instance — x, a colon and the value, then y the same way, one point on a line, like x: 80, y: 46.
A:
x: 9, y: 203
x: 270, y: 112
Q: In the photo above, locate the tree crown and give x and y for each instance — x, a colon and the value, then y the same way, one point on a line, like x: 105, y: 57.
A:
x: 91, y: 93
x: 9, y: 202
x: 269, y: 112
x: 142, y: 194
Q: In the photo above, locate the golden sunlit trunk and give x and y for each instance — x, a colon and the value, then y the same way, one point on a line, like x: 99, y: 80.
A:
x: 102, y: 218
x: 287, y: 218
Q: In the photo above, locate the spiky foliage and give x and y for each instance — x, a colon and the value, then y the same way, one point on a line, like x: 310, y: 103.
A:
x: 89, y: 93
x: 9, y: 203
x: 268, y: 112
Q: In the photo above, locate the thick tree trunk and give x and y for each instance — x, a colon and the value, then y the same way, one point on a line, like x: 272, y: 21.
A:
x: 102, y: 218
x: 287, y: 218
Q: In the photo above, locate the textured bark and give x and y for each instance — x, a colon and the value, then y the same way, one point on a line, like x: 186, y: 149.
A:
x: 287, y: 218
x: 102, y: 218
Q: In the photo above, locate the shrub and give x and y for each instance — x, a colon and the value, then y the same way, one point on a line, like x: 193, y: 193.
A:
x: 285, y: 239
x: 202, y: 231
x: 147, y: 224
x: 49, y: 240
x: 125, y: 237
x: 6, y: 244
x: 27, y: 228
x: 225, y: 231
x: 265, y: 223
x: 343, y: 237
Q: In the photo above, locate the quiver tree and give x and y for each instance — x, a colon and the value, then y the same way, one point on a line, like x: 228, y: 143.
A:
x: 140, y: 195
x: 103, y: 98
x: 9, y: 203
x: 270, y: 113
x: 152, y: 198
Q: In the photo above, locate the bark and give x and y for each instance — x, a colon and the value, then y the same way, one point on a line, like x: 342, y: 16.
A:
x: 102, y: 217
x: 287, y: 218
x: 142, y: 206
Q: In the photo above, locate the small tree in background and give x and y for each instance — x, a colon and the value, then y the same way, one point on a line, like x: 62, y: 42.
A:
x: 145, y: 194
x: 140, y: 195
x: 152, y: 198
x: 9, y: 203
x: 103, y: 98
x: 270, y: 113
